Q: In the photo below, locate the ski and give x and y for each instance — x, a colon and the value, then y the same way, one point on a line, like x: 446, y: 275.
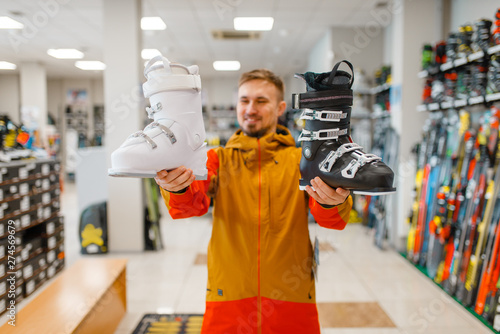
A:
x: 473, y: 275
x: 435, y: 179
x: 442, y: 210
x: 465, y: 197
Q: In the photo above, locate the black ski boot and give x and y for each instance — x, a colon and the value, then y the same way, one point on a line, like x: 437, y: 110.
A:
x: 327, y: 148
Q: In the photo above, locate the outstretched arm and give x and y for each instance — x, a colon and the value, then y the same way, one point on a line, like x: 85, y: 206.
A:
x: 330, y: 207
x: 183, y: 196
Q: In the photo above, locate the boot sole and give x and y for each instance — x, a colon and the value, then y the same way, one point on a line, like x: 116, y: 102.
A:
x: 369, y: 192
x: 199, y: 175
x: 197, y: 163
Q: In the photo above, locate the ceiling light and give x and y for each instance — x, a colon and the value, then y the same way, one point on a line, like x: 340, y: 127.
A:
x: 8, y: 23
x: 65, y: 53
x: 253, y: 23
x: 227, y: 65
x: 149, y: 53
x: 153, y: 23
x: 88, y: 65
x: 5, y: 65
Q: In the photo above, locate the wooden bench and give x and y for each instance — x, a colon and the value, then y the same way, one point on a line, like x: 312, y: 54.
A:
x: 87, y: 298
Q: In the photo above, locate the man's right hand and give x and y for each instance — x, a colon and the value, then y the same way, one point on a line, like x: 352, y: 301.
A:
x: 176, y: 179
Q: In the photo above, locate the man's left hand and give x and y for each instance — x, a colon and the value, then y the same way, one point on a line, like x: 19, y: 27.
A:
x: 324, y: 194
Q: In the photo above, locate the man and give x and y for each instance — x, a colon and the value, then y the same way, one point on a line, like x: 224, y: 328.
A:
x: 260, y: 256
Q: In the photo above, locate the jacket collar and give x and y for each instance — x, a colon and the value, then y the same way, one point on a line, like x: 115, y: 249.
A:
x: 268, y: 144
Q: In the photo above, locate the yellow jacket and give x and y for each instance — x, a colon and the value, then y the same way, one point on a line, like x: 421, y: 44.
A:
x: 260, y: 255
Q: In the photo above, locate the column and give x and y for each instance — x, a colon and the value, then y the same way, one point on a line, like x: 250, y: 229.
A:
x: 33, y: 88
x: 415, y: 22
x: 123, y: 115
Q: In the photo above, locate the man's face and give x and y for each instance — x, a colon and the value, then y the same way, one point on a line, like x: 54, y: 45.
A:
x: 258, y: 107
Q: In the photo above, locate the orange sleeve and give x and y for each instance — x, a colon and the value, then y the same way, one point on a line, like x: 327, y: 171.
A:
x: 194, y: 201
x: 335, y: 218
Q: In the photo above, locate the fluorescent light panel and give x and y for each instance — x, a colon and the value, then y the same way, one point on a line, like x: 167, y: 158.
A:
x: 153, y: 23
x: 90, y: 65
x: 65, y: 53
x: 226, y: 65
x: 149, y: 53
x: 253, y: 23
x: 5, y: 65
x: 8, y: 23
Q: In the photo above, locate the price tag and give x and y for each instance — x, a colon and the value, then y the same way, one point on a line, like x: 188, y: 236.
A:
x: 51, y: 256
x: 24, y: 189
x: 46, y: 212
x: 27, y: 271
x: 25, y: 203
x: 25, y: 221
x: 45, y: 169
x: 51, y: 242
x: 45, y: 198
x: 23, y: 173
x: 51, y: 227
x: 51, y: 271
x: 30, y: 287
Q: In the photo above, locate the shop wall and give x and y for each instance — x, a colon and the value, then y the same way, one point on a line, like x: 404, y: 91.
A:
x: 97, y: 91
x: 468, y: 11
x: 54, y: 98
x: 225, y: 91
x: 362, y: 46
x: 221, y: 91
x: 321, y: 56
x: 388, y: 44
x: 58, y: 88
x: 9, y: 96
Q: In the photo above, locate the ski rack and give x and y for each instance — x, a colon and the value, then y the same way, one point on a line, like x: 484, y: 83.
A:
x: 458, y: 62
x: 374, y: 90
x: 458, y: 103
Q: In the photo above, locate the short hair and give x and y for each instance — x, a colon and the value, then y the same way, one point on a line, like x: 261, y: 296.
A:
x: 264, y: 74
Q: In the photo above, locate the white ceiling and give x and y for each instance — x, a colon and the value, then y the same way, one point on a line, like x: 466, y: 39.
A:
x: 78, y: 24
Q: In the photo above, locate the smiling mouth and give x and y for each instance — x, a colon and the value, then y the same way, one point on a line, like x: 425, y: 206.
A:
x: 252, y: 120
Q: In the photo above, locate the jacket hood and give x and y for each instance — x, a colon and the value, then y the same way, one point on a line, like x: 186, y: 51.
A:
x: 268, y: 143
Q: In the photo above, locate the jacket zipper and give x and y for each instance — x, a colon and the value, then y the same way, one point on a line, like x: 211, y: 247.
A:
x: 259, y: 302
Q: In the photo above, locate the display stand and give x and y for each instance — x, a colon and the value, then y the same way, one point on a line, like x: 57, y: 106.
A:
x: 31, y: 227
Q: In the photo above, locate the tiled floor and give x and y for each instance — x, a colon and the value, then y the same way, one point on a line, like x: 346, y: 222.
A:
x: 352, y: 270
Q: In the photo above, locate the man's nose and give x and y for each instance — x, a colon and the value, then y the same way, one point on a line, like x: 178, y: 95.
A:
x: 251, y: 108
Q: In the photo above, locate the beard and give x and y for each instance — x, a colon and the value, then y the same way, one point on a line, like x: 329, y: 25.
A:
x: 255, y: 133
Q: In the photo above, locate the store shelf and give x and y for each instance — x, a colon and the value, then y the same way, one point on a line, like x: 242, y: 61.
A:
x: 380, y: 89
x: 382, y: 114
x: 29, y: 211
x: 458, y: 103
x: 494, y: 49
x: 459, y: 62
x: 372, y: 91
x: 363, y: 91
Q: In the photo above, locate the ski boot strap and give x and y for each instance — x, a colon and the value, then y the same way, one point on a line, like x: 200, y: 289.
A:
x: 169, y: 76
x: 327, y: 164
x: 334, y: 72
x: 322, y: 99
x: 336, y: 95
x: 165, y: 130
x: 324, y: 115
x: 325, y: 134
x: 352, y: 168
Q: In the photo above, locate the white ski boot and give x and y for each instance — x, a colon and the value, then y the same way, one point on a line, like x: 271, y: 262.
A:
x: 176, y: 137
